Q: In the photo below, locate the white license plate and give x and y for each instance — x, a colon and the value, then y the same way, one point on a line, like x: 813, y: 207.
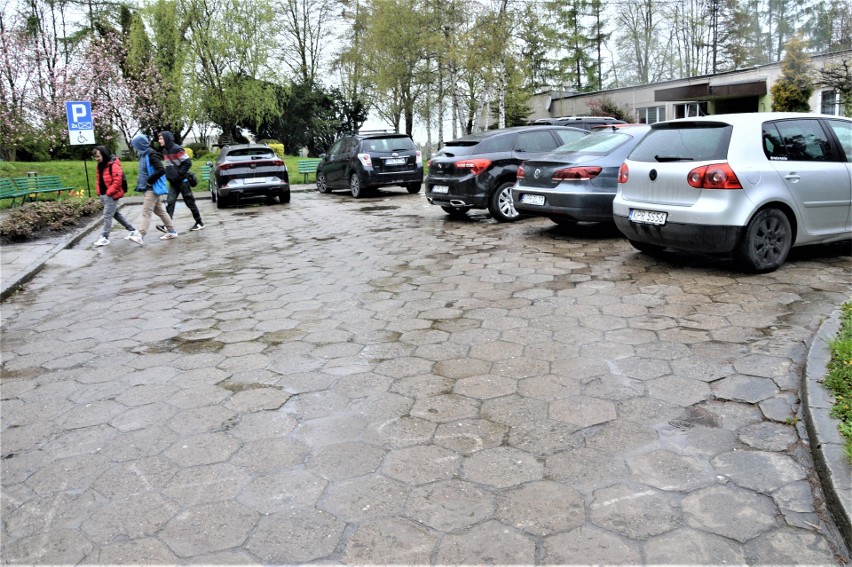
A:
x: 440, y: 189
x: 255, y: 180
x: 532, y: 199
x: 395, y: 161
x: 648, y: 217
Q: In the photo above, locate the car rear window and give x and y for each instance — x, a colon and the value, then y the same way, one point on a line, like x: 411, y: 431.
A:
x: 459, y: 149
x: 253, y: 153
x: 684, y: 141
x: 389, y: 144
x: 595, y: 143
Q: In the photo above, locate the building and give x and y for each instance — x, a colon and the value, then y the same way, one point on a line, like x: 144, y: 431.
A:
x: 743, y: 90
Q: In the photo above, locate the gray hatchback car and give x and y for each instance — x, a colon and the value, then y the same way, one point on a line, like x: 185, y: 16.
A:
x: 747, y: 185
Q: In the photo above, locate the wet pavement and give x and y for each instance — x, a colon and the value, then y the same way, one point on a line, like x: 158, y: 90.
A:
x: 369, y: 381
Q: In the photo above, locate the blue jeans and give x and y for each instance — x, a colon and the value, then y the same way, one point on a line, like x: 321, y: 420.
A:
x: 111, y: 212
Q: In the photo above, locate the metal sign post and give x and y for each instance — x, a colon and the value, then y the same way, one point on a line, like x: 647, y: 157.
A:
x: 81, y: 129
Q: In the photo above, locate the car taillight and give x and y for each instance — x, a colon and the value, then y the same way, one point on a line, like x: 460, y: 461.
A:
x: 419, y: 159
x: 521, y: 171
x: 576, y: 173
x: 365, y: 159
x: 224, y: 166
x: 714, y: 176
x: 476, y: 166
x: 278, y: 162
x: 623, y: 173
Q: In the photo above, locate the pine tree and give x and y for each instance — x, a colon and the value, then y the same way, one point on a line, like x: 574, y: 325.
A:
x: 794, y: 88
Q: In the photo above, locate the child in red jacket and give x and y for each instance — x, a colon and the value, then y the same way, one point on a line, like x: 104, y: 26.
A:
x: 108, y: 183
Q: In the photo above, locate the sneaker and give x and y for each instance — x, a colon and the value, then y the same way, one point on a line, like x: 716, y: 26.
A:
x: 131, y: 234
x: 102, y: 241
x: 169, y: 235
x: 137, y: 238
x: 161, y: 228
x: 197, y: 226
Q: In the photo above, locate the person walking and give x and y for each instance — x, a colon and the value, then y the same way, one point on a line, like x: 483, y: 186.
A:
x: 108, y: 183
x: 151, y: 172
x: 177, y: 164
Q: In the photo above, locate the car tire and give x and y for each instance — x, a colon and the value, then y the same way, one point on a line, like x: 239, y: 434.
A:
x: 765, y: 243
x: 413, y: 188
x: 221, y: 202
x: 322, y: 186
x: 501, y: 206
x: 284, y: 197
x: 646, y: 248
x: 355, y: 186
x: 213, y: 194
x: 456, y: 212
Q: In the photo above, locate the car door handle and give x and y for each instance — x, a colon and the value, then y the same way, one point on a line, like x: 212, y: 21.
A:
x: 794, y: 177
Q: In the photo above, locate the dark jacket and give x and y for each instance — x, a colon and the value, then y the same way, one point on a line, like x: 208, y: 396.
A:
x: 145, y: 182
x: 175, y: 160
x: 108, y: 178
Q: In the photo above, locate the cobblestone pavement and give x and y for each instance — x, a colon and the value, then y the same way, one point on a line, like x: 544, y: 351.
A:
x: 361, y: 382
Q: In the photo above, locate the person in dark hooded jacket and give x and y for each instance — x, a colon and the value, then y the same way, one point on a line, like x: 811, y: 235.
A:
x: 151, y: 172
x: 108, y: 176
x: 177, y: 165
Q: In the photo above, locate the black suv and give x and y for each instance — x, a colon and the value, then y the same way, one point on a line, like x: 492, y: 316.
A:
x: 360, y: 162
x: 478, y: 171
x: 248, y: 170
x: 584, y: 122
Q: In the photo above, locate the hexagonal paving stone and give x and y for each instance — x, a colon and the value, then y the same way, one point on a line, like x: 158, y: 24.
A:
x: 582, y: 411
x: 485, y: 386
x: 791, y: 546
x: 445, y: 408
x: 205, y: 484
x: 130, y: 517
x: 641, y: 368
x: 420, y: 465
x: 501, y: 467
x: 494, y: 351
x: 668, y: 471
x: 673, y: 547
x: 768, y: 436
x: 364, y: 498
x: 578, y: 368
x: 491, y: 543
x: 346, y: 460
x: 282, y: 491
x: 296, y: 536
x: 208, y: 528
x: 148, y: 551
x: 64, y: 547
x: 391, y: 541
x: 677, y: 390
x: 70, y: 474
x: 468, y: 436
x: 760, y: 471
x: 730, y: 511
x: 270, y: 455
x: 513, y: 410
x: 542, y: 508
x: 450, y: 505
x: 636, y: 512
x: 404, y: 366
x: 606, y: 548
x: 740, y: 388
x: 202, y: 449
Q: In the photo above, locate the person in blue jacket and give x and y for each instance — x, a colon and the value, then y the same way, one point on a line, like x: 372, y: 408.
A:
x: 151, y: 171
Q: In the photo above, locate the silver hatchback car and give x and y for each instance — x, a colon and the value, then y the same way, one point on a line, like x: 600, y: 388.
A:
x: 747, y: 185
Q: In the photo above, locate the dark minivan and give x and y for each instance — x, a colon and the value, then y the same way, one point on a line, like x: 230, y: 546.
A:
x: 478, y: 171
x: 363, y: 161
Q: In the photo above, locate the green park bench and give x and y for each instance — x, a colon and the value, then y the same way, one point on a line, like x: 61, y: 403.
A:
x: 205, y: 172
x: 31, y: 187
x: 306, y: 166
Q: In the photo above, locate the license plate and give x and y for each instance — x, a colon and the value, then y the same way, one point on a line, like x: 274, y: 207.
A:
x: 395, y: 161
x: 440, y: 189
x: 648, y: 217
x: 255, y: 180
x: 532, y: 199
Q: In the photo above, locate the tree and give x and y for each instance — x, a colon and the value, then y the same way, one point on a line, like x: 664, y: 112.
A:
x: 794, y: 87
x: 838, y: 76
x: 303, y: 25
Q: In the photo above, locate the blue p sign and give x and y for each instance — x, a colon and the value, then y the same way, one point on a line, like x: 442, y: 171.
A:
x: 81, y: 129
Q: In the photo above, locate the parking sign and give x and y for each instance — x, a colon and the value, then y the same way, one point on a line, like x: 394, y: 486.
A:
x: 81, y: 128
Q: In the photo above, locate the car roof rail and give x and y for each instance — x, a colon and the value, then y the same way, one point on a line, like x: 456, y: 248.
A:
x: 377, y: 132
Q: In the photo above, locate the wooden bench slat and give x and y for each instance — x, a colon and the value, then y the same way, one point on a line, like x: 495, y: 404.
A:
x: 306, y: 166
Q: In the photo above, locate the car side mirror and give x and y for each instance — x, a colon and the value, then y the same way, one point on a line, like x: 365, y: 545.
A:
x: 322, y: 156
x: 210, y: 163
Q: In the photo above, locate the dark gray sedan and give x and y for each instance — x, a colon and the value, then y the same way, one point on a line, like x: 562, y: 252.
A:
x: 577, y: 181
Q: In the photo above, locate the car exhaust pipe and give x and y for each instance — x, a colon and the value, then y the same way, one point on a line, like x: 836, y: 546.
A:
x: 458, y: 203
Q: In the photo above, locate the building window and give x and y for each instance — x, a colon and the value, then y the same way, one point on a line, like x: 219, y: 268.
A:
x: 831, y: 103
x: 651, y: 114
x: 690, y: 109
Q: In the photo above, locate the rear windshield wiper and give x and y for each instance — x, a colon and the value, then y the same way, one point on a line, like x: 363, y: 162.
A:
x: 673, y: 158
x: 400, y: 149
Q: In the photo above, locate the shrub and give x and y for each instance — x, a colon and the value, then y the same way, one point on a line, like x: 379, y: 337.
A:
x: 605, y: 106
x: 33, y: 220
x: 198, y: 150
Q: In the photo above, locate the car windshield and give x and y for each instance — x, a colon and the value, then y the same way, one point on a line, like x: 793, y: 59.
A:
x: 389, y: 144
x: 596, y: 143
x: 250, y: 153
x: 684, y: 141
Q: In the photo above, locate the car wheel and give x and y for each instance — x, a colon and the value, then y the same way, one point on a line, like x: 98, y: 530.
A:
x: 284, y: 197
x: 650, y: 249
x: 213, y: 194
x: 765, y: 242
x: 355, y: 186
x: 322, y: 186
x: 456, y: 212
x: 221, y: 202
x: 563, y: 222
x: 501, y: 206
x: 413, y: 188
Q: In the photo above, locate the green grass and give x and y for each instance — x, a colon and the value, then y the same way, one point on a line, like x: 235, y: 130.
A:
x: 839, y: 378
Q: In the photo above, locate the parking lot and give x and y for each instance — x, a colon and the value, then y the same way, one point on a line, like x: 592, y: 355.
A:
x: 370, y: 381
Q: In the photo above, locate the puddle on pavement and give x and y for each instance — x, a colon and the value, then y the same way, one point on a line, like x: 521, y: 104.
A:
x: 242, y: 387
x: 377, y: 208
x: 184, y: 346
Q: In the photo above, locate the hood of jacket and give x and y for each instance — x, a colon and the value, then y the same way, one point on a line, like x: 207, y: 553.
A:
x: 168, y: 139
x: 140, y: 143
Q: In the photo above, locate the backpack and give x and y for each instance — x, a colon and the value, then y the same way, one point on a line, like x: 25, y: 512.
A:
x: 123, y: 180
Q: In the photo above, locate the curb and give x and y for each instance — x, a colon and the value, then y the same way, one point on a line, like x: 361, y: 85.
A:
x: 833, y: 468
